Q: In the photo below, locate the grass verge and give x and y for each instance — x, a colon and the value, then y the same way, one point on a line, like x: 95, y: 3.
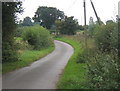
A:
x: 26, y: 58
x: 74, y: 75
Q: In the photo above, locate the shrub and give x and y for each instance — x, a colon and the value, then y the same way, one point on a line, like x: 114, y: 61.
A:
x: 22, y: 45
x: 9, y: 19
x: 103, y: 63
x: 86, y: 54
x: 18, y: 32
x: 37, y: 36
x: 103, y: 71
x: 91, y: 29
x: 9, y: 53
x: 106, y: 37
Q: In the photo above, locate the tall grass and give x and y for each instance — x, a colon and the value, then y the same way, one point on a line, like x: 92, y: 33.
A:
x: 103, y: 63
x: 26, y: 58
x: 74, y: 75
x: 102, y: 67
x: 36, y: 42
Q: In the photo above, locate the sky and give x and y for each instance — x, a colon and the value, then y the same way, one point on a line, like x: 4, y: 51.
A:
x: 106, y: 9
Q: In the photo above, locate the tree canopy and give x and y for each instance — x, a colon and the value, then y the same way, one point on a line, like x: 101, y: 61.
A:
x: 67, y: 26
x: 47, y: 16
x: 27, y: 21
x: 109, y: 21
x: 9, y: 10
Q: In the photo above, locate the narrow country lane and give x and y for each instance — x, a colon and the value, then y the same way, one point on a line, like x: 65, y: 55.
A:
x: 42, y: 74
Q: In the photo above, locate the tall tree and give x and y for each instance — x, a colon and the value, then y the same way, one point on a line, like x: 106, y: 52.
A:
x: 101, y: 22
x: 91, y: 22
x: 47, y: 16
x: 67, y: 26
x: 9, y: 10
x: 27, y: 21
x: 91, y: 26
x: 109, y: 22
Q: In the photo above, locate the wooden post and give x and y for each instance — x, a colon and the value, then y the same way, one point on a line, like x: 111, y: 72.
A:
x: 84, y: 5
x: 98, y: 19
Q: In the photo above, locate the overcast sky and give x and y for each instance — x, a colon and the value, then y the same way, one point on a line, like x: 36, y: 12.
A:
x: 106, y: 9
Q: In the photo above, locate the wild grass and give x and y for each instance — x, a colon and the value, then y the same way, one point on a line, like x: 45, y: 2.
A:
x: 101, y: 67
x: 74, y: 75
x: 26, y: 58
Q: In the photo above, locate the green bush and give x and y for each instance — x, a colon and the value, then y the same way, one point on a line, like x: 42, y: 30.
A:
x: 9, y: 18
x: 22, y: 45
x: 84, y: 56
x: 37, y: 36
x: 18, y: 32
x: 91, y: 30
x: 103, y: 71
x: 9, y: 53
x: 106, y: 37
x: 103, y: 63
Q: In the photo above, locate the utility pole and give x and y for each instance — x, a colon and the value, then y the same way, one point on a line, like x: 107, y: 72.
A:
x: 84, y: 5
x: 98, y: 19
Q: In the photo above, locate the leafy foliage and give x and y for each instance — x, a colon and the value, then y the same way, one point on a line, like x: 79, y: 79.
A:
x: 67, y: 26
x: 103, y: 71
x: 37, y: 36
x: 92, y: 29
x: 109, y: 22
x: 103, y: 63
x: 106, y: 37
x: 26, y: 58
x: 27, y: 22
x: 18, y: 32
x: 103, y: 57
x: 22, y: 45
x: 119, y: 37
x: 9, y: 10
x: 9, y: 53
x: 74, y: 75
x: 81, y: 27
x: 47, y: 16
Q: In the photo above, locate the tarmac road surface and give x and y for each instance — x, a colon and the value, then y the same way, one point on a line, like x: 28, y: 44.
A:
x: 42, y: 74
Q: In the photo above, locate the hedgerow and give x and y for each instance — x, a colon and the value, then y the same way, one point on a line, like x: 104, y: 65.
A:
x: 37, y: 36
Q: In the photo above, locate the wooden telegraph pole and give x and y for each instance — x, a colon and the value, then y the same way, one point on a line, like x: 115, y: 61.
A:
x: 84, y: 5
x: 98, y: 19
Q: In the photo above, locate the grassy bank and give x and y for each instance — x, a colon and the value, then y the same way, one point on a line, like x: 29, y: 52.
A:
x: 74, y: 75
x: 26, y: 58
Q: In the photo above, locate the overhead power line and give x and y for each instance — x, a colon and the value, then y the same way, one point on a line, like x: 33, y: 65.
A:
x: 71, y: 6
